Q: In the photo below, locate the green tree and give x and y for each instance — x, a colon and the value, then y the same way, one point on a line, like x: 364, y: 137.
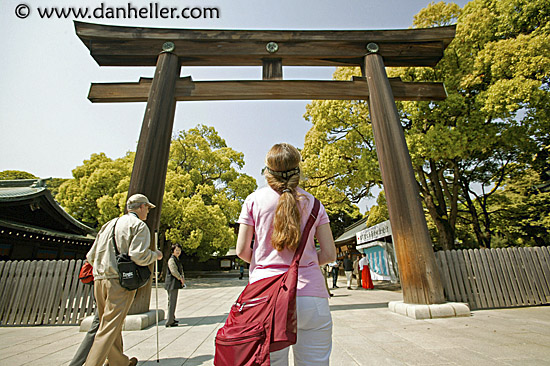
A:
x: 340, y: 166
x: 98, y: 190
x: 462, y: 148
x: 203, y: 193
x: 54, y: 184
x: 15, y: 174
x: 379, y: 212
x: 340, y: 220
x: 522, y: 209
x: 509, y: 83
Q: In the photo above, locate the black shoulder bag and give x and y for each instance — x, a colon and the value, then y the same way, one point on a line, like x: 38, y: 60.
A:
x: 130, y: 275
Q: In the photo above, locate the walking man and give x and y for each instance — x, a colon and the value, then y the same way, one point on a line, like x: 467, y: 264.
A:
x: 84, y: 349
x: 348, y: 269
x: 132, y: 236
x: 335, y: 269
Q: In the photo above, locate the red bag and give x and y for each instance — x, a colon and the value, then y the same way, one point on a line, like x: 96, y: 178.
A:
x: 86, y: 273
x: 263, y: 319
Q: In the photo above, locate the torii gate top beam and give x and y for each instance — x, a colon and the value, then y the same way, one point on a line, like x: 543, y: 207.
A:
x: 135, y: 46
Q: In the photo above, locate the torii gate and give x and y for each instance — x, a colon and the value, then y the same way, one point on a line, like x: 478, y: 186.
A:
x: 169, y: 49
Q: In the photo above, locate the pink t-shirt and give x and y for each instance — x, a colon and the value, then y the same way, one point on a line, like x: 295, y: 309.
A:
x: 258, y: 211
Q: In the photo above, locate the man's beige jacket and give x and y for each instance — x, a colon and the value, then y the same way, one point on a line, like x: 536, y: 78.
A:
x: 132, y: 237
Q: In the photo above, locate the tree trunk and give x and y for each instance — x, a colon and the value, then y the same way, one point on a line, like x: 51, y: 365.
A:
x: 473, y: 213
x: 444, y: 230
x: 446, y: 234
x: 437, y: 211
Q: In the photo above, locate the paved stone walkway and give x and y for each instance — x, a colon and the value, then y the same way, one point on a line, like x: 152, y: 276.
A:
x: 365, y: 333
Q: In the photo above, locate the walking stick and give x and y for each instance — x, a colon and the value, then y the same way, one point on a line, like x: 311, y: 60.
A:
x: 157, y: 294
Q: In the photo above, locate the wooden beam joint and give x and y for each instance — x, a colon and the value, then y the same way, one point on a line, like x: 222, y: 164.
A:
x: 272, y: 69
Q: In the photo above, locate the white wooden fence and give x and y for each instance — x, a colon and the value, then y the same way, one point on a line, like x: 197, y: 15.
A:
x: 496, y: 278
x: 43, y: 292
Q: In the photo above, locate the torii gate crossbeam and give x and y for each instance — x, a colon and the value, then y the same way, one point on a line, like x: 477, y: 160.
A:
x: 371, y: 50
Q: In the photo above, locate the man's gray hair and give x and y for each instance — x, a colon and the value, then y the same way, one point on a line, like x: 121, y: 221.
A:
x: 132, y: 206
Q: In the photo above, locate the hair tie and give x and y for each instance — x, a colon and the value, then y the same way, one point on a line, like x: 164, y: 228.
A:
x: 286, y: 190
x: 286, y: 174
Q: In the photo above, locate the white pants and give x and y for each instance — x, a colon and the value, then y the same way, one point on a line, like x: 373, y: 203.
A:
x: 348, y: 277
x: 314, y: 342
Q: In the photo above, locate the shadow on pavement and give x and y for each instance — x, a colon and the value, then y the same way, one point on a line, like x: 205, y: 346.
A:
x: 387, y: 285
x: 378, y: 305
x: 193, y: 361
x: 214, y: 282
x: 202, y: 320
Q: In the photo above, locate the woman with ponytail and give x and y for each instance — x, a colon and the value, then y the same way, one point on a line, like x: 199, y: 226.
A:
x: 275, y: 216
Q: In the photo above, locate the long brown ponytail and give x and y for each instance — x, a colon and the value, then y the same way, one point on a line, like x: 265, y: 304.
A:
x: 283, y: 175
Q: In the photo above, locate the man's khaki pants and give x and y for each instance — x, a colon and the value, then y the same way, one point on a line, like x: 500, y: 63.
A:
x: 113, y: 303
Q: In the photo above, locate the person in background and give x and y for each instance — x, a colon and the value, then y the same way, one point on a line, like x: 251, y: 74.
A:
x: 175, y: 280
x: 365, y: 273
x: 132, y: 236
x: 276, y: 215
x: 335, y: 269
x: 348, y: 269
x: 324, y: 271
x: 241, y: 271
x: 356, y: 271
x: 82, y: 352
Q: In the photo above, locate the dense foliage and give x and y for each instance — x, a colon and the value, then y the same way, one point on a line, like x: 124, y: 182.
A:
x: 15, y: 174
x: 203, y: 194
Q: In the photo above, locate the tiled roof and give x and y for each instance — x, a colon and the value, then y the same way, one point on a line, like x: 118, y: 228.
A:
x: 351, y: 231
x: 29, y: 202
x: 7, y: 193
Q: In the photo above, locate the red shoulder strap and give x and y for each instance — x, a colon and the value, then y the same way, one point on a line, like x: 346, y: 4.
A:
x: 305, y: 234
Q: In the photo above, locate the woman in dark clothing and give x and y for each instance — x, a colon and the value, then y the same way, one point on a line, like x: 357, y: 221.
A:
x: 174, y: 281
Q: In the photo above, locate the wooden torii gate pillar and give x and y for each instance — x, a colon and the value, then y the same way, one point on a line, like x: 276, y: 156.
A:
x: 413, y: 246
x: 151, y: 161
x: 372, y: 50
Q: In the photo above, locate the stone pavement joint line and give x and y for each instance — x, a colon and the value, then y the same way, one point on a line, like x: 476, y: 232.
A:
x: 365, y: 332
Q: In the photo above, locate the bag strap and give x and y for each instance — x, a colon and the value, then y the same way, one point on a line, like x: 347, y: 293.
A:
x: 113, y: 237
x: 305, y: 234
x: 297, y: 255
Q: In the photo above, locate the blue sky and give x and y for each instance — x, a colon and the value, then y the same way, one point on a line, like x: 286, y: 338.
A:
x: 48, y: 126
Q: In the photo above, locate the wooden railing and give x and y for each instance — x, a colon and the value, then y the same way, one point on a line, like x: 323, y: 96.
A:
x: 43, y: 292
x: 496, y: 278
